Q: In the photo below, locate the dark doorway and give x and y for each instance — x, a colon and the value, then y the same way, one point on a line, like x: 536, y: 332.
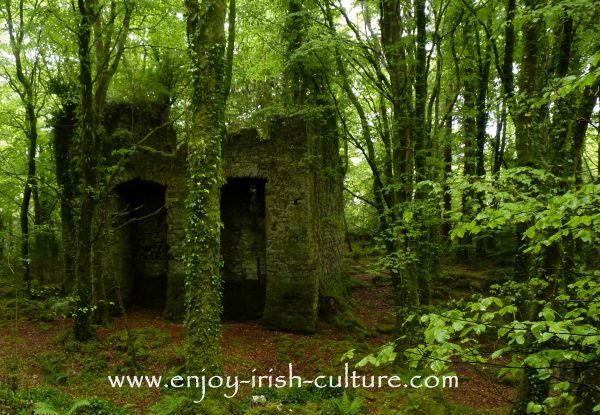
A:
x: 243, y: 247
x: 143, y: 228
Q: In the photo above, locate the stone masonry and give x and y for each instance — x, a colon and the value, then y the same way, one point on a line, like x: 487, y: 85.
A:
x: 281, y: 210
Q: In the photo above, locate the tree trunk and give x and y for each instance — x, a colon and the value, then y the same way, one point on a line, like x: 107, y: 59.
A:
x: 63, y: 143
x: 24, y: 85
x: 206, y: 45
x: 422, y: 150
x: 87, y: 169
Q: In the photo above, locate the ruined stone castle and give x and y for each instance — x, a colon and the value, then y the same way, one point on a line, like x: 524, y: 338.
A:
x: 281, y: 210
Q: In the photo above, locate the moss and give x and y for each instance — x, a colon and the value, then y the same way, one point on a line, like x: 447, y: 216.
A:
x: 183, y: 405
x: 335, y: 296
x: 291, y: 306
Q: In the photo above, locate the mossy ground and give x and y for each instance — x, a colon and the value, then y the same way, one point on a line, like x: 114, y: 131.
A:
x: 42, y: 363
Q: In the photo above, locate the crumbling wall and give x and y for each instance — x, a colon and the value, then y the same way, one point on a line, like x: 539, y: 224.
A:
x: 297, y: 182
x: 142, y: 142
x: 302, y: 235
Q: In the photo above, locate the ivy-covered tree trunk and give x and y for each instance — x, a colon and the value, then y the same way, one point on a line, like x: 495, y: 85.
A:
x: 206, y: 45
x: 87, y: 130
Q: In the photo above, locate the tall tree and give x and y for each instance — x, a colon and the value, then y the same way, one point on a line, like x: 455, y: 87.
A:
x: 206, y: 45
x: 96, y: 71
x: 24, y: 80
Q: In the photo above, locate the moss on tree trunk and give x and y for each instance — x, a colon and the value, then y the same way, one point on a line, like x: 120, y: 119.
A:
x: 206, y: 45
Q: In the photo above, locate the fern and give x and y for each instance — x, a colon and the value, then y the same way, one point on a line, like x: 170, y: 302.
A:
x: 345, y: 406
x: 43, y: 408
x: 77, y: 405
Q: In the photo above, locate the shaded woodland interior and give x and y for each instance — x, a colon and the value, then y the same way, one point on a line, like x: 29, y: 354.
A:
x: 417, y: 181
x: 243, y: 246
x: 143, y: 229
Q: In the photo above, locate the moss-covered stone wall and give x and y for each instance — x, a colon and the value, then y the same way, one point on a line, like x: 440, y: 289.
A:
x: 142, y: 142
x: 303, y: 236
x: 282, y: 241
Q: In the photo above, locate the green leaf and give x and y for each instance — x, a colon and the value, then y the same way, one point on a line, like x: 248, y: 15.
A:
x: 534, y: 408
x: 548, y: 314
x: 441, y: 335
x: 519, y: 338
x: 43, y: 408
x: 546, y: 336
x: 458, y: 325
x: 349, y: 355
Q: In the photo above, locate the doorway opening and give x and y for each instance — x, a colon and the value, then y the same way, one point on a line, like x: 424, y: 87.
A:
x: 243, y: 247
x: 143, y: 230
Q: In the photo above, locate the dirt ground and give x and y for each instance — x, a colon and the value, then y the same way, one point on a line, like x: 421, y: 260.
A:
x: 41, y: 348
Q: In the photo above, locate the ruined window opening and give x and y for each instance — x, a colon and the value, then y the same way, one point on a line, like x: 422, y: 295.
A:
x: 142, y: 230
x: 243, y: 247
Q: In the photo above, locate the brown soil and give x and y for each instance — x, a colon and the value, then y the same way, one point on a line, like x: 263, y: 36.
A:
x: 245, y: 345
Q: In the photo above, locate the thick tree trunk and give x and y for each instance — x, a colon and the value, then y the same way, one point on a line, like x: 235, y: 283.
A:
x: 206, y: 45
x: 528, y: 131
x: 93, y: 89
x: 527, y: 124
x: 402, y: 107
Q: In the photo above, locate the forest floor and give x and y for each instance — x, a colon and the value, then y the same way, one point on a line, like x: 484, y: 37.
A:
x: 36, y: 351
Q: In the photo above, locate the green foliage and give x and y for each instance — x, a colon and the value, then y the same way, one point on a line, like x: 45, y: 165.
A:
x: 138, y: 346
x: 96, y: 406
x: 145, y: 339
x: 54, y: 369
x: 54, y: 402
x: 345, y: 406
x: 562, y: 334
x: 184, y: 405
x: 553, y: 218
x: 386, y: 355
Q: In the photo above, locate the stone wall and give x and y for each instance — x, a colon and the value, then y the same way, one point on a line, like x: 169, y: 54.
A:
x: 302, y: 235
x: 283, y: 216
x: 151, y: 157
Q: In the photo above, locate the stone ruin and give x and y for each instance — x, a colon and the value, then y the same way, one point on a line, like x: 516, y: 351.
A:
x: 281, y: 210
